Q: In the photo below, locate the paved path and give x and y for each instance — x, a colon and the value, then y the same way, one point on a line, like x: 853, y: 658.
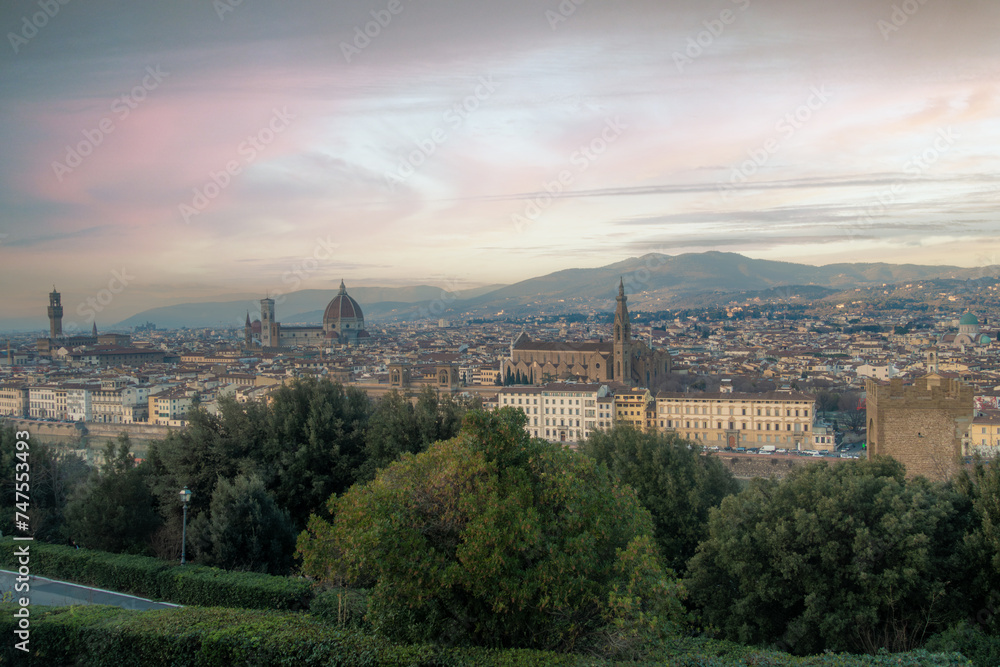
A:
x: 53, y: 593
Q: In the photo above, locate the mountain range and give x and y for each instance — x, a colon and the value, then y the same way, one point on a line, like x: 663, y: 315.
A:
x: 652, y: 282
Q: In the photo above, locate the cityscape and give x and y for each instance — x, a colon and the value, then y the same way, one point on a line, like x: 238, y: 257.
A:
x: 734, y: 363
x: 553, y: 332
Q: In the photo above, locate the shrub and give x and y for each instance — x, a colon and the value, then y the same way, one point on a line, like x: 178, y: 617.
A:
x: 497, y: 539
x: 971, y: 641
x: 850, y: 557
x: 153, y: 578
x: 109, y: 637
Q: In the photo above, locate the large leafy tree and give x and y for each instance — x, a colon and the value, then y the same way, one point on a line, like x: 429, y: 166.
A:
x: 498, y: 539
x: 398, y: 426
x: 315, y: 443
x: 673, y: 480
x: 845, y: 557
x: 52, y: 476
x: 305, y: 445
x: 115, y: 510
x: 980, y: 484
x: 246, y: 531
x: 212, y: 446
x: 392, y: 431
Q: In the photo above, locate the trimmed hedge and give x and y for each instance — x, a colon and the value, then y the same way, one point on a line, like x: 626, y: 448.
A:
x: 203, y: 637
x: 160, y: 580
x: 972, y: 640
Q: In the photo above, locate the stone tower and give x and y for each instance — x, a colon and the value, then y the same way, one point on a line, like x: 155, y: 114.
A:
x: 622, y: 343
x: 268, y: 327
x: 55, y: 314
x: 920, y: 425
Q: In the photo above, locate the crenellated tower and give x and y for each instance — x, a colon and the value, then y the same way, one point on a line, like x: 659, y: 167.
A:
x: 55, y: 314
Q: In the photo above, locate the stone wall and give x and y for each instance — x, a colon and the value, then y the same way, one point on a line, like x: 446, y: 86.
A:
x: 136, y: 432
x: 47, y: 432
x: 748, y: 466
x: 88, y: 439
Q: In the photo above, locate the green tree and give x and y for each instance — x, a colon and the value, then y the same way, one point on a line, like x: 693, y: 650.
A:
x: 452, y: 411
x: 827, y: 401
x: 52, y: 476
x: 115, y: 510
x: 494, y: 538
x: 428, y: 419
x: 392, y: 431
x: 980, y: 484
x: 315, y: 443
x: 673, y: 480
x: 212, y: 446
x: 849, y: 557
x: 245, y: 529
x: 397, y: 426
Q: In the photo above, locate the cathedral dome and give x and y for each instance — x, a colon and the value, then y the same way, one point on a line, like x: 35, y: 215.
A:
x: 343, y: 320
x: 343, y: 307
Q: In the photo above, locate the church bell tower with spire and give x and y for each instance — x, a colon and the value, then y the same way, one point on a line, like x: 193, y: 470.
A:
x: 622, y: 339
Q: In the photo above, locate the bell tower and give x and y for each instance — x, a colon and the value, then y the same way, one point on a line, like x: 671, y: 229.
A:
x: 55, y: 314
x: 268, y: 327
x: 622, y: 342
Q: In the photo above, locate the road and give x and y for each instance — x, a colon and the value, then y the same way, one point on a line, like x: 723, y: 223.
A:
x: 53, y: 593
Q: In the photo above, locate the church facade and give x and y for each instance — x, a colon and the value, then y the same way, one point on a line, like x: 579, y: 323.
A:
x: 623, y: 359
x: 343, y: 324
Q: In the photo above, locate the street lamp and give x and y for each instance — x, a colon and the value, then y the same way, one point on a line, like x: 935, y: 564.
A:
x: 185, y: 497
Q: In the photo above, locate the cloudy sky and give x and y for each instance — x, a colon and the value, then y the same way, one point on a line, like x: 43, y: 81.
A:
x: 183, y: 150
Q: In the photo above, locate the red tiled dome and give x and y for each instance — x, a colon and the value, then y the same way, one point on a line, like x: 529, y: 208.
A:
x: 342, y: 307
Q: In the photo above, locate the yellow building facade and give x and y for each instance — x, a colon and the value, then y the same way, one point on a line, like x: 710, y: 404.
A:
x: 782, y: 419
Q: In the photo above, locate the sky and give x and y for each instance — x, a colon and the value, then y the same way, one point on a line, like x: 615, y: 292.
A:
x: 166, y: 152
